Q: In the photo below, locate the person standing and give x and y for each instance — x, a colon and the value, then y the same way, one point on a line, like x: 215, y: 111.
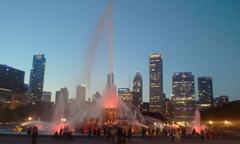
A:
x: 129, y: 133
x: 143, y: 132
x: 61, y: 132
x: 89, y: 132
x: 34, y: 135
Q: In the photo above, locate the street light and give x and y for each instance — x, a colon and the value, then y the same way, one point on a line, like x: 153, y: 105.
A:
x: 226, y: 122
x: 29, y: 118
x: 210, y: 122
x: 63, y: 119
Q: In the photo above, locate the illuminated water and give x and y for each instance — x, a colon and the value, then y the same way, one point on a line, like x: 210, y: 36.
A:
x: 197, y: 122
x: 109, y: 108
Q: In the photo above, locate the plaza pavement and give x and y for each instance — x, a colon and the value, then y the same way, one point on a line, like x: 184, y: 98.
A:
x: 84, y: 140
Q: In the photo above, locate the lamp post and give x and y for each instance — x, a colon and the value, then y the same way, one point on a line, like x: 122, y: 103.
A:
x: 210, y: 122
x: 29, y: 118
x: 63, y: 120
x: 227, y: 123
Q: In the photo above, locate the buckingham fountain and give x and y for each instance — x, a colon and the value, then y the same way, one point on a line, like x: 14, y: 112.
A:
x: 107, y: 110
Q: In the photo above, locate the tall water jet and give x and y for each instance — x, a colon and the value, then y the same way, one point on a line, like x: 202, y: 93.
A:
x: 109, y: 108
x: 104, y: 29
x: 110, y: 36
x: 197, y: 126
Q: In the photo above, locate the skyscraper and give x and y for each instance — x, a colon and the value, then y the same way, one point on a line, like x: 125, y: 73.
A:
x: 61, y: 104
x: 183, y: 96
x: 12, y: 79
x: 126, y: 95
x: 221, y: 100
x: 62, y: 96
x: 205, y: 92
x: 37, y: 77
x: 12, y: 86
x: 156, y: 83
x: 145, y: 107
x: 46, y: 96
x: 137, y: 90
x: 81, y: 94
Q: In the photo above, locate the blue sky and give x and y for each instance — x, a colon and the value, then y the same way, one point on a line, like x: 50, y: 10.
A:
x: 202, y: 37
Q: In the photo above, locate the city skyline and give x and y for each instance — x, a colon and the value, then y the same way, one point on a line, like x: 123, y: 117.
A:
x: 211, y: 50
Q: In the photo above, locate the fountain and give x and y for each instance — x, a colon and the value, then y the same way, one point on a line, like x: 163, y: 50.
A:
x: 197, y: 122
x: 109, y: 108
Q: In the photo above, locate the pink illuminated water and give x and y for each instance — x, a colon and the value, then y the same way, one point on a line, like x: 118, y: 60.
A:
x: 197, y: 122
x: 85, y: 111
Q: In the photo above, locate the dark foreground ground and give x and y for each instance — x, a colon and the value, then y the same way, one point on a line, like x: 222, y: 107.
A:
x: 83, y: 140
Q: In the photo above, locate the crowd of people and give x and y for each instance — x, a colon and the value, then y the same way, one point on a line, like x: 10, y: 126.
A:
x: 121, y: 134
x: 150, y: 131
x: 115, y: 134
x: 64, y: 133
x: 203, y: 134
x: 175, y: 134
x: 180, y: 134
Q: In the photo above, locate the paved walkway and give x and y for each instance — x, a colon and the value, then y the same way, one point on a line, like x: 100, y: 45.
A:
x: 48, y: 140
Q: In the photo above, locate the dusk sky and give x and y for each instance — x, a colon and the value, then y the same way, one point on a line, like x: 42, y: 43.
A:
x: 202, y: 37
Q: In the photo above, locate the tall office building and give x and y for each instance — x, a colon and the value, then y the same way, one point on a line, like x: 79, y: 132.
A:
x: 37, y: 77
x: 221, y: 100
x: 156, y: 83
x: 81, y: 94
x: 61, y: 104
x: 98, y: 95
x: 12, y: 86
x: 145, y: 107
x: 137, y: 90
x: 168, y: 109
x: 205, y: 92
x: 183, y: 96
x: 62, y: 96
x: 46, y: 96
x: 12, y: 79
x: 126, y: 95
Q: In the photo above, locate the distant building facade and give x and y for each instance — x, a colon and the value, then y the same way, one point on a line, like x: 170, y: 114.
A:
x: 168, y: 109
x: 221, y: 100
x: 126, y: 95
x: 81, y: 94
x: 145, y: 107
x: 46, y: 96
x: 61, y: 104
x: 37, y: 77
x: 62, y: 96
x: 12, y: 87
x: 12, y: 79
x: 156, y: 83
x: 183, y: 96
x: 205, y: 92
x: 137, y: 90
x: 96, y: 96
